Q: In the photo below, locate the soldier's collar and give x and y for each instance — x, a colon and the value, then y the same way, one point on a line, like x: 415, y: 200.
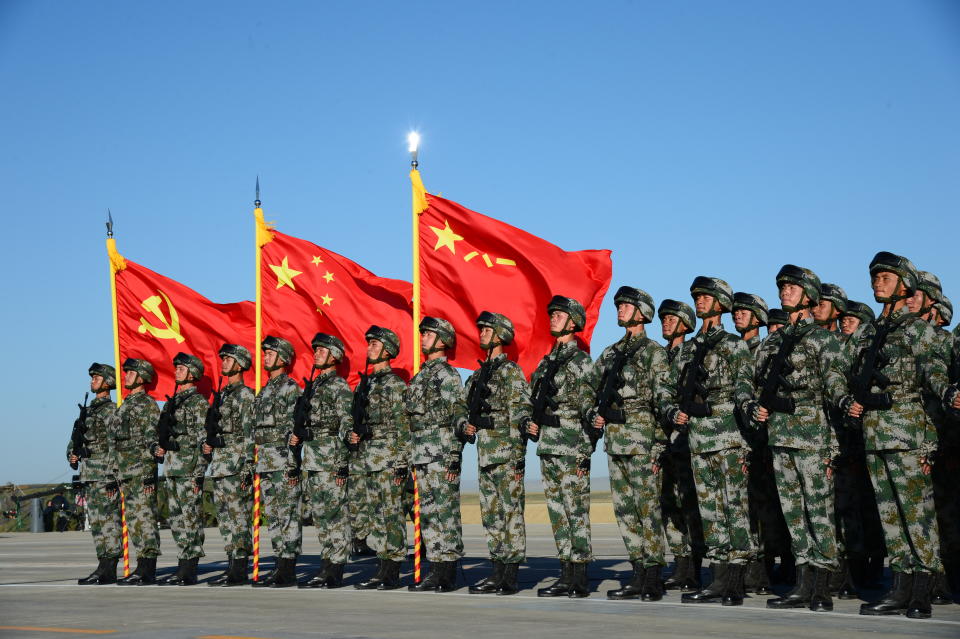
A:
x: 565, y: 346
x: 435, y: 362
x: 497, y: 358
x: 186, y: 393
x: 100, y: 400
x: 325, y: 375
x: 381, y: 372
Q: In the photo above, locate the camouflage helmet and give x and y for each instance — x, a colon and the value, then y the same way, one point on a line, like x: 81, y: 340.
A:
x: 802, y: 277
x: 442, y: 328
x: 861, y: 311
x: 901, y: 266
x: 929, y: 284
x: 501, y: 325
x: 571, y: 307
x: 107, y: 372
x: 681, y: 310
x: 946, y: 309
x: 753, y: 303
x: 777, y: 316
x: 141, y: 367
x: 389, y: 339
x: 331, y: 343
x: 240, y: 355
x: 714, y: 286
x: 639, y: 298
x: 835, y: 294
x: 280, y: 346
x: 191, y: 362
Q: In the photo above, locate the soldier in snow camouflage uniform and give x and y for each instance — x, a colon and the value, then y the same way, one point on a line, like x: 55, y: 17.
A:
x: 231, y: 465
x: 183, y: 466
x: 564, y: 392
x: 899, y: 437
x: 326, y: 461
x: 437, y: 413
x: 800, y: 375
x: 279, y: 475
x: 710, y: 377
x: 631, y: 391
x: 96, y: 473
x: 133, y: 430
x: 498, y: 400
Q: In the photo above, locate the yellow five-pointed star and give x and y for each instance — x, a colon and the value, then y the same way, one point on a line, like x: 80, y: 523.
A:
x: 316, y: 260
x: 284, y: 274
x: 446, y: 237
x: 326, y: 300
x: 328, y: 276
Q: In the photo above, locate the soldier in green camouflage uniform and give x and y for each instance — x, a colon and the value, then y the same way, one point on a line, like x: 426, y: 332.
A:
x: 900, y: 439
x: 326, y: 462
x: 801, y: 374
x: 705, y: 406
x: 133, y: 430
x: 382, y: 455
x: 855, y: 319
x: 96, y: 474
x: 279, y: 474
x: 231, y: 465
x: 749, y: 314
x: 501, y: 409
x: 566, y: 382
x: 184, y: 467
x: 437, y: 413
x: 777, y: 318
x: 632, y: 389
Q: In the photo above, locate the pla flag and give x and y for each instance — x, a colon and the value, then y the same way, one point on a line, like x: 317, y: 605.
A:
x: 306, y: 289
x: 158, y: 317
x: 471, y: 263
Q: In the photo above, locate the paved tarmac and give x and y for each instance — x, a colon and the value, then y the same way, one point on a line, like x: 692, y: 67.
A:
x: 39, y: 597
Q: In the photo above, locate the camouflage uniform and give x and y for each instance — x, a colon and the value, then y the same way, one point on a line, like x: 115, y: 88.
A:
x: 183, y: 469
x: 232, y: 468
x: 324, y: 454
x: 273, y: 411
x: 436, y: 410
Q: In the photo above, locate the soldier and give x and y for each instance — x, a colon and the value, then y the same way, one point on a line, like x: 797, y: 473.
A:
x: 378, y: 410
x: 437, y: 414
x: 709, y: 378
x: 96, y: 475
x: 899, y: 437
x: 832, y: 305
x: 801, y: 373
x: 943, y: 311
x: 855, y: 319
x: 749, y: 314
x: 678, y: 497
x: 325, y: 458
x: 564, y: 392
x: 632, y: 390
x: 181, y: 436
x: 498, y: 403
x: 777, y: 318
x: 133, y: 429
x: 279, y: 472
x: 231, y: 465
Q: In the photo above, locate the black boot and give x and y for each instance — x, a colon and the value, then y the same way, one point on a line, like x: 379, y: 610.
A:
x: 787, y: 571
x: 319, y: 578
x: 681, y: 565
x: 942, y: 595
x: 895, y: 601
x: 390, y: 580
x: 432, y: 581
x: 712, y: 592
x: 271, y: 576
x: 491, y: 583
x: 144, y: 574
x: 334, y: 576
x: 919, y: 606
x: 286, y: 574
x: 756, y: 579
x: 652, y: 584
x: 508, y: 585
x: 238, y: 572
x: 221, y: 579
x: 561, y: 587
x: 692, y: 582
x: 799, y: 597
x: 109, y: 575
x: 94, y: 577
x: 845, y: 589
x: 170, y: 579
x: 733, y: 592
x: 189, y: 575
x: 361, y: 548
x: 820, y: 600
x: 634, y: 587
x: 448, y: 577
x: 373, y: 582
x: 579, y: 582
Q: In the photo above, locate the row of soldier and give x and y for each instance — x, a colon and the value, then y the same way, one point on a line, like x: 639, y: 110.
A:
x: 724, y: 448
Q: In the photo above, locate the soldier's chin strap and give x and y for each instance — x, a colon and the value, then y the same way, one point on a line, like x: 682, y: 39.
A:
x: 278, y: 364
x: 633, y: 321
x: 895, y: 297
x: 565, y: 330
x: 382, y: 357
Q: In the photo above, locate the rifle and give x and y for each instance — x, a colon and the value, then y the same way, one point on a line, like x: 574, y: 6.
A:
x: 301, y: 417
x: 165, y: 437
x: 477, y: 405
x: 610, y: 384
x: 212, y: 422
x: 868, y: 370
x: 776, y: 371
x: 361, y: 397
x: 543, y: 400
x: 78, y: 436
x: 692, y: 392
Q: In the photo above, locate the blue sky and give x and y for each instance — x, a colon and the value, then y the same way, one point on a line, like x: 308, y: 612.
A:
x: 690, y: 138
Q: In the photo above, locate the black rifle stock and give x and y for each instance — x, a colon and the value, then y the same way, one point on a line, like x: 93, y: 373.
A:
x: 361, y: 399
x: 478, y: 408
x: 78, y: 435
x: 302, y: 418
x: 212, y: 423
x: 168, y: 419
x: 692, y: 389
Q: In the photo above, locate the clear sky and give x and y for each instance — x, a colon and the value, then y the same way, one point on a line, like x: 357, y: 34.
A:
x: 700, y: 137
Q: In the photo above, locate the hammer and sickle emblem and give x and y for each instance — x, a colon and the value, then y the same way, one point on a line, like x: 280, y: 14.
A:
x: 172, y: 330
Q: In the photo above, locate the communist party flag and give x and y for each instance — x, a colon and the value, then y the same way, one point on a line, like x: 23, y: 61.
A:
x: 471, y: 263
x: 157, y: 317
x: 306, y: 289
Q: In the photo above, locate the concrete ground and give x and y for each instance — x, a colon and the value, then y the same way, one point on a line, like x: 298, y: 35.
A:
x: 39, y: 597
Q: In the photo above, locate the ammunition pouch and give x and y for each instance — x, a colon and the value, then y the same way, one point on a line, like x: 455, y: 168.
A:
x: 874, y: 401
x: 696, y: 409
x: 779, y: 404
x: 613, y: 415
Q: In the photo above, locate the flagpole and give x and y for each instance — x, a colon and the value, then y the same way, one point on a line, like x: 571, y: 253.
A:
x: 258, y: 334
x: 413, y: 140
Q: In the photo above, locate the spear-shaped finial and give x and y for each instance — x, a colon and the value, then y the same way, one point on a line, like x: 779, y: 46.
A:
x: 109, y: 224
x: 256, y: 202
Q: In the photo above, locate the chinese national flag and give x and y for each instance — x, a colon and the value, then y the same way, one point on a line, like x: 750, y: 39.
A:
x: 307, y: 290
x: 158, y: 317
x: 471, y: 263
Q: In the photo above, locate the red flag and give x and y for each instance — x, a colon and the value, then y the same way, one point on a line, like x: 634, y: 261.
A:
x: 471, y: 263
x: 157, y: 317
x: 307, y: 290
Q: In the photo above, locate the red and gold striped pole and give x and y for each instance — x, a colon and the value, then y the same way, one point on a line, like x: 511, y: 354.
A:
x: 125, y: 535
x: 416, y: 530
x: 117, y: 263
x: 256, y: 520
